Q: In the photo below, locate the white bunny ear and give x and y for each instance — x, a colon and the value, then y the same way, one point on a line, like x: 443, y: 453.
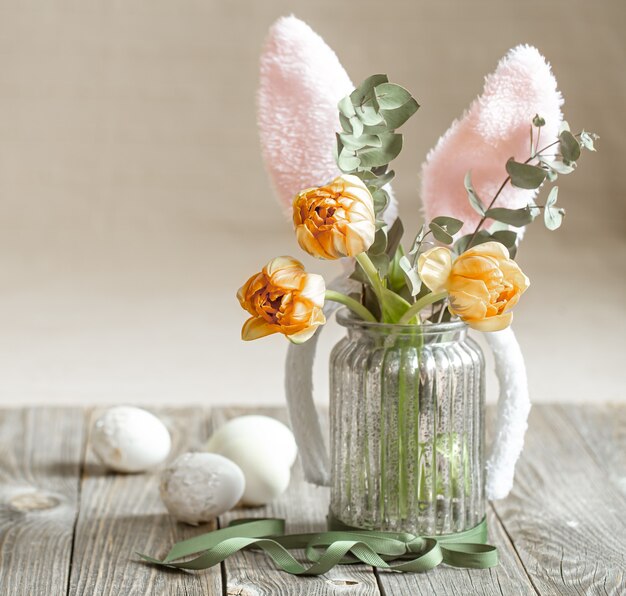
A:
x: 301, y: 83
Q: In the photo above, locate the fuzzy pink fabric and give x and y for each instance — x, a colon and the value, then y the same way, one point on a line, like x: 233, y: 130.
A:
x: 493, y: 129
x: 301, y: 83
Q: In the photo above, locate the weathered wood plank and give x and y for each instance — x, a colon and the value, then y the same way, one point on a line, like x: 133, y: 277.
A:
x: 40, y: 459
x: 304, y: 507
x: 603, y: 428
x: 509, y: 577
x: 122, y: 514
x: 567, y: 523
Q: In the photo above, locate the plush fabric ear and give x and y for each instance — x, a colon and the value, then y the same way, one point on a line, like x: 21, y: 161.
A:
x: 494, y: 128
x: 301, y: 83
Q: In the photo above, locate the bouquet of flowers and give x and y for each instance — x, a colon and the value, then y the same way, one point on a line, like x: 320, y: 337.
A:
x: 452, y: 268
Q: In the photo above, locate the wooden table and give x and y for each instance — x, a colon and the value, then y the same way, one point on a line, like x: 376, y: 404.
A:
x: 67, y: 526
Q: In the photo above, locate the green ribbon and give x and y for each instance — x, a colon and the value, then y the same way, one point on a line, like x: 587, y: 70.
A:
x: 397, y: 551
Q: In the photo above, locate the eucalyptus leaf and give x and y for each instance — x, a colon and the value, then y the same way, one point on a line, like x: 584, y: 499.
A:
x: 379, y: 245
x: 391, y: 96
x: 391, y: 145
x: 552, y: 215
x: 472, y: 195
x: 396, y: 118
x: 558, y: 166
x: 513, y: 217
x: 356, y: 143
x: 524, y: 175
x: 570, y: 147
x: 381, y: 200
x: 346, y: 108
x: 366, y: 89
x: 439, y: 233
x: 346, y: 125
x: 538, y: 121
x: 450, y: 225
x: 508, y: 238
x: 381, y: 262
x: 586, y: 140
x: 394, y: 236
x: 462, y: 244
x: 357, y: 126
x: 347, y: 161
x: 410, y: 273
x: 369, y: 115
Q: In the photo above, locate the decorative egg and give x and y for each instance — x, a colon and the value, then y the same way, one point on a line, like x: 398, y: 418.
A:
x: 266, y: 473
x: 258, y: 430
x: 197, y: 487
x: 129, y: 439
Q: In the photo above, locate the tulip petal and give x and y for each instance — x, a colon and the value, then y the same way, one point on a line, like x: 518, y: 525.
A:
x: 359, y: 237
x: 302, y: 336
x: 496, y: 323
x: 255, y: 328
x: 497, y: 250
x: 468, y: 306
x: 434, y: 268
x: 314, y: 289
x: 280, y: 263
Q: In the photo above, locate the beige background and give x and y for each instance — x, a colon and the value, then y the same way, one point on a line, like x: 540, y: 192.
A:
x: 133, y: 200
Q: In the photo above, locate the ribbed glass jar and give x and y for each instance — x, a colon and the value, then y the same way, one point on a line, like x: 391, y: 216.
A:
x: 407, y: 427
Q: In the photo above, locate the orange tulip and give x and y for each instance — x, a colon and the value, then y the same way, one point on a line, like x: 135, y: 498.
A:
x: 336, y: 220
x: 483, y: 283
x: 283, y: 298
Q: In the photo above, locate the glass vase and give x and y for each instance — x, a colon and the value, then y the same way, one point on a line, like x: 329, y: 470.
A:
x: 407, y: 427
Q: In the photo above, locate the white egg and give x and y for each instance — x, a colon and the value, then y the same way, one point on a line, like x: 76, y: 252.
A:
x: 129, y: 439
x: 258, y: 430
x: 197, y: 487
x: 267, y: 475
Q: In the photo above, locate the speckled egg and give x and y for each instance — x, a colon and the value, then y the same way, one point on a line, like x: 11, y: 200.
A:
x: 197, y: 487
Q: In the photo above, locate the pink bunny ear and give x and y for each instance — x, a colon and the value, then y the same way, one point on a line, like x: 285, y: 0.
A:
x: 301, y: 83
x: 495, y: 127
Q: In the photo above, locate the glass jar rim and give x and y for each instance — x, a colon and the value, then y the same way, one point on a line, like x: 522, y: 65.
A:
x: 347, y: 319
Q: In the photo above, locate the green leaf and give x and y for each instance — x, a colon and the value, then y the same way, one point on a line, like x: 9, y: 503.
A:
x: 394, y: 306
x: 346, y: 108
x: 394, y: 236
x: 410, y: 273
x: 381, y: 200
x: 366, y: 89
x: 396, y: 118
x: 369, y: 115
x: 508, y: 238
x: 379, y: 245
x: 381, y: 262
x: 355, y: 143
x: 439, y: 233
x: 570, y: 148
x: 538, y: 121
x: 558, y: 166
x: 395, y: 276
x: 552, y: 215
x: 391, y: 96
x: 357, y: 126
x: 450, y: 224
x: 513, y: 217
x: 347, y: 161
x: 462, y: 244
x: 472, y: 195
x: 391, y: 145
x: 524, y: 175
x: 346, y: 125
x: 587, y: 139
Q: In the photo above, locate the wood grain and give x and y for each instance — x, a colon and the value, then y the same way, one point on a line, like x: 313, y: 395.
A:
x: 566, y: 521
x: 40, y: 457
x: 304, y: 506
x: 121, y: 514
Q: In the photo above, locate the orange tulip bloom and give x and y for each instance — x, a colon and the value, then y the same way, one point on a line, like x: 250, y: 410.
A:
x: 283, y: 298
x: 483, y: 283
x: 336, y: 220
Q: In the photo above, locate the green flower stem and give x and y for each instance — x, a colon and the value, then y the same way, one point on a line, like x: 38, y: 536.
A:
x: 356, y: 307
x: 372, y: 276
x: 420, y: 304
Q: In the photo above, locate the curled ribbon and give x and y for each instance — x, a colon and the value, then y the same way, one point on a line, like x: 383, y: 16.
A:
x: 396, y: 551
